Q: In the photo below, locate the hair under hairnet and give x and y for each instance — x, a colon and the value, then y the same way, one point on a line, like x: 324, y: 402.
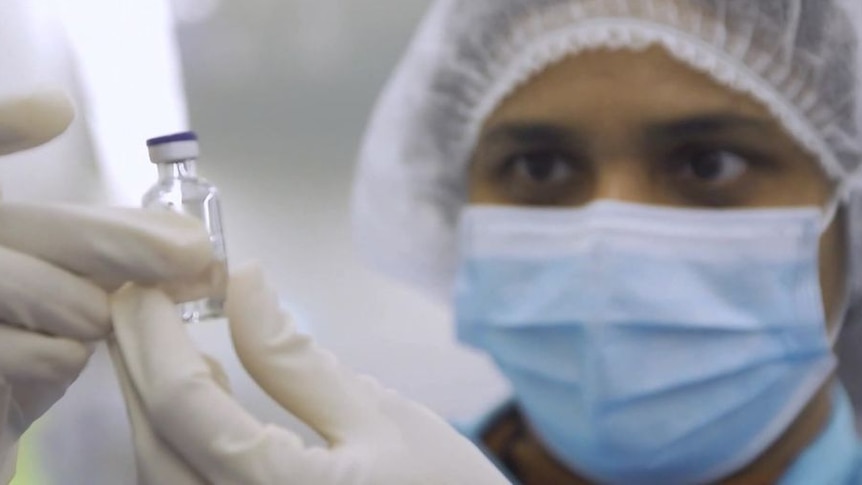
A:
x: 799, y: 58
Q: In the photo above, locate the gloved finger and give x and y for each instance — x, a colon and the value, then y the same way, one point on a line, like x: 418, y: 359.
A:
x: 110, y: 246
x: 38, y: 296
x: 217, y: 372
x: 45, y: 365
x: 182, y: 400
x: 303, y: 378
x: 156, y: 462
x: 29, y: 121
x: 210, y: 283
x: 31, y: 357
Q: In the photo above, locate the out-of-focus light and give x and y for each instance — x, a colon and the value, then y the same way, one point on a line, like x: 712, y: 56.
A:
x: 131, y: 81
x: 194, y: 11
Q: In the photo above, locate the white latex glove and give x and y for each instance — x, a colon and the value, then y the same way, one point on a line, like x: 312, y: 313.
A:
x: 190, y: 430
x: 57, y: 267
x: 31, y: 120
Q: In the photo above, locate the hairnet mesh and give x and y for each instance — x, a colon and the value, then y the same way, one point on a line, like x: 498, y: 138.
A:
x: 799, y: 58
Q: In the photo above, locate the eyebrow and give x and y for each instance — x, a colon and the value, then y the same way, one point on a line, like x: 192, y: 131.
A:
x: 532, y: 133
x: 547, y: 133
x: 706, y: 124
x: 700, y: 124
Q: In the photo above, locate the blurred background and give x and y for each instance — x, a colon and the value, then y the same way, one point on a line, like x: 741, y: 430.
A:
x: 279, y: 92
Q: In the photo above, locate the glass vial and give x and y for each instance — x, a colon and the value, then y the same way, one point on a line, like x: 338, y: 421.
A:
x: 179, y: 189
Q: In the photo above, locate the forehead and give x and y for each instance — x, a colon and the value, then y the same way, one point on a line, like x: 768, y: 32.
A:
x: 622, y: 86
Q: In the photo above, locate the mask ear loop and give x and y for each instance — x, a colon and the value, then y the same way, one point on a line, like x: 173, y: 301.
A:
x: 846, y: 188
x: 839, y: 199
x: 836, y: 323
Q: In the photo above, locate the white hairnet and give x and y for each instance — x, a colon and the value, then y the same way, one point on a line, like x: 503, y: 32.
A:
x: 797, y: 57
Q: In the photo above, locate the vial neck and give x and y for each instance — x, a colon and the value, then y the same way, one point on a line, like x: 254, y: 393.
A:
x: 176, y: 170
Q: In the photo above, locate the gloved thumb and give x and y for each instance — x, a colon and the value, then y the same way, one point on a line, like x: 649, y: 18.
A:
x: 181, y: 394
x: 305, y: 379
x: 31, y: 120
x: 156, y: 461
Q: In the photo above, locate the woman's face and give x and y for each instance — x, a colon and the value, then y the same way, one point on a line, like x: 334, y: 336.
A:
x: 642, y: 127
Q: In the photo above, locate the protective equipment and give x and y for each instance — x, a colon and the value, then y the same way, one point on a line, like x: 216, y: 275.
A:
x: 31, y: 120
x: 795, y: 56
x: 188, y: 429
x: 58, y: 263
x: 646, y: 344
x: 800, y: 58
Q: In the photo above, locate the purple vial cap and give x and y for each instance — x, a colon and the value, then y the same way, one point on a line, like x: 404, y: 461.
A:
x: 181, y: 136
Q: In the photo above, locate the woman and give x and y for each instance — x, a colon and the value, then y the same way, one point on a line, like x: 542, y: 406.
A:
x: 643, y: 210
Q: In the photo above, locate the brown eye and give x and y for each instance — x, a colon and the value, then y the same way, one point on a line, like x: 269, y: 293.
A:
x: 719, y: 167
x: 541, y: 168
x: 547, y: 177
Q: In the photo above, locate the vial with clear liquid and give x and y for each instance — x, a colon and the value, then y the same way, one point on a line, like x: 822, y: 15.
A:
x: 179, y: 189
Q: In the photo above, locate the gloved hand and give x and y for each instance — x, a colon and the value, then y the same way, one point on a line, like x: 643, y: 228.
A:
x: 188, y: 429
x: 31, y: 120
x: 58, y: 265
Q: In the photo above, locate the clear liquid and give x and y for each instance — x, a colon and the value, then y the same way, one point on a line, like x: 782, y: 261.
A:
x: 180, y: 190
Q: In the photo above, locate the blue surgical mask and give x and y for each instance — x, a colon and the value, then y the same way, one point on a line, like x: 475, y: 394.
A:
x: 649, y: 345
